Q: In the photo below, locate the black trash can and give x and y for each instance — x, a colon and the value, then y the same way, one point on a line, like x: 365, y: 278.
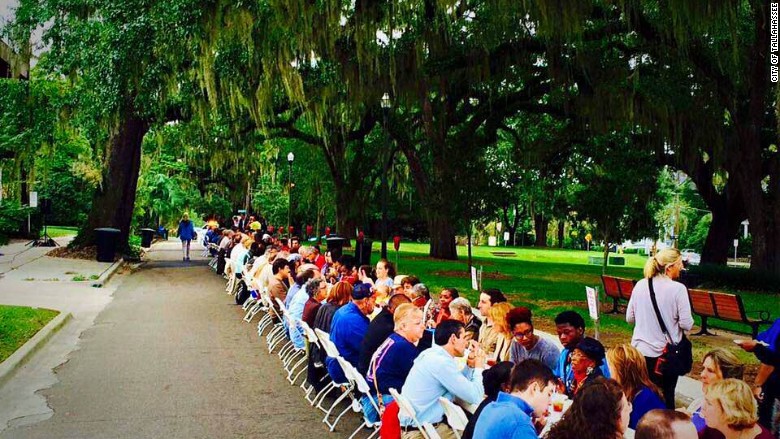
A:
x: 363, y: 252
x: 335, y: 246
x: 106, y: 239
x: 146, y: 237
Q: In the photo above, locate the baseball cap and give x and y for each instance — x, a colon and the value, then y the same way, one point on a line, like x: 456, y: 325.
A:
x: 361, y: 291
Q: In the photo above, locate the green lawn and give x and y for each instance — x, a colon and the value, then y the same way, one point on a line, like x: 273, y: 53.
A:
x: 546, y: 280
x: 18, y: 324
x: 59, y: 231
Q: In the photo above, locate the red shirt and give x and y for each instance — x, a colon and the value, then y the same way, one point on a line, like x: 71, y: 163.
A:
x: 319, y: 261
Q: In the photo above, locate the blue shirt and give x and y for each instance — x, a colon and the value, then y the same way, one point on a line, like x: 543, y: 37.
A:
x: 290, y: 294
x: 435, y: 373
x: 564, y: 372
x: 544, y: 350
x: 347, y: 329
x: 643, y: 402
x: 296, y: 310
x: 508, y: 417
x: 392, y: 360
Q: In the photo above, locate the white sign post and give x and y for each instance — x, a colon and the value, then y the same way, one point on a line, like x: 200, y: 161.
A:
x: 593, y: 307
x: 736, y: 244
x: 474, y: 282
x: 33, y: 199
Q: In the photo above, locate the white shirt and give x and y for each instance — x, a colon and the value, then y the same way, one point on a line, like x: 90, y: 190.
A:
x: 675, y: 308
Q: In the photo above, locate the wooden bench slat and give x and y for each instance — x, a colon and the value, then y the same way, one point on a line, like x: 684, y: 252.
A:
x: 701, y: 302
x: 611, y: 287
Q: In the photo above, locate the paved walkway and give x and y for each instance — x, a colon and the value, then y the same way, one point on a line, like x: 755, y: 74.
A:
x: 169, y: 357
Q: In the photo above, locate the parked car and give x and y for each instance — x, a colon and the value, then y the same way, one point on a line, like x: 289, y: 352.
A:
x: 690, y: 257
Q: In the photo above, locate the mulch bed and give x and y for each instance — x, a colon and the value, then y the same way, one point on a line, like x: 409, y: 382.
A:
x: 86, y: 253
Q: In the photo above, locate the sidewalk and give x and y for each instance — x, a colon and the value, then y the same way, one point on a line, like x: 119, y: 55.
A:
x: 22, y: 262
x: 29, y: 278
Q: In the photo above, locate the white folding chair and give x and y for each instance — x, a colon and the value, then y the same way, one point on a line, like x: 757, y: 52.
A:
x: 347, y: 393
x: 254, y: 296
x: 456, y: 417
x: 346, y: 387
x: 311, y: 336
x: 262, y: 304
x: 405, y: 408
x: 362, y: 386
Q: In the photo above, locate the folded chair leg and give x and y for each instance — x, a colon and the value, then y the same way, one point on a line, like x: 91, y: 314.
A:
x: 320, y: 398
x: 336, y: 421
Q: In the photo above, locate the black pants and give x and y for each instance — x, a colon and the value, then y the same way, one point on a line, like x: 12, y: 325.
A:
x: 666, y: 382
x: 767, y: 405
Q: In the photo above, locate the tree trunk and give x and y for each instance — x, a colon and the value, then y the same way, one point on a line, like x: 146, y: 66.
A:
x: 726, y: 221
x: 561, y: 225
x: 114, y: 199
x: 442, y: 231
x: 540, y: 228
x: 468, y: 237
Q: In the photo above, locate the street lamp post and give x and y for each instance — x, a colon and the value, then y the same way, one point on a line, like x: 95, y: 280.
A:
x: 290, y: 159
x: 386, y: 103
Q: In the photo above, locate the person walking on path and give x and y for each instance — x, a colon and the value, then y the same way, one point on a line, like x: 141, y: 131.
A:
x: 186, y: 233
x: 659, y: 293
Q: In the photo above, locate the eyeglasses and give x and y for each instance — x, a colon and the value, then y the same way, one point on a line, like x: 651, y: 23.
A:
x: 527, y: 334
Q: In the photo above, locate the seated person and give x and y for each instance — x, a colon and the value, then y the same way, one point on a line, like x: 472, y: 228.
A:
x: 378, y: 330
x: 348, y: 328
x: 718, y: 364
x: 420, y: 295
x: 665, y: 424
x: 488, y: 336
x: 526, y: 344
x: 730, y: 410
x: 494, y: 380
x: 278, y: 284
x: 442, y: 310
x: 629, y: 368
x: 460, y: 310
x: 586, y: 359
x: 571, y: 328
x: 436, y: 374
x: 600, y: 410
x: 392, y: 361
x: 512, y: 414
x: 407, y: 283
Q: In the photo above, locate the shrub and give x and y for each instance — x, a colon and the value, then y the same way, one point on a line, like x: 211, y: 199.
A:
x: 719, y: 277
x: 12, y: 219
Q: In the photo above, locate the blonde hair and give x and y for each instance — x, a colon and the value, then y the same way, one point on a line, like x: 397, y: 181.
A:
x: 630, y: 370
x: 736, y: 401
x: 728, y: 363
x: 498, y: 314
x: 404, y: 312
x: 248, y: 243
x: 657, y: 264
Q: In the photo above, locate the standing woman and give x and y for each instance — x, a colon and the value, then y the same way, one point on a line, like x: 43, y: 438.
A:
x: 385, y: 272
x: 674, y: 307
x: 186, y: 233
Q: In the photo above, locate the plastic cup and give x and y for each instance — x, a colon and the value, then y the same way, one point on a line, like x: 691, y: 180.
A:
x: 558, y: 401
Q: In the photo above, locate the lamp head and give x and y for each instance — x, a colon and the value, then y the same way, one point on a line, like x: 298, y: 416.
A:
x: 290, y: 157
x: 386, y: 101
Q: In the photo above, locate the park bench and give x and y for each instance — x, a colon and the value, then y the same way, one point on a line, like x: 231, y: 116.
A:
x: 595, y: 260
x: 617, y: 288
x: 724, y: 306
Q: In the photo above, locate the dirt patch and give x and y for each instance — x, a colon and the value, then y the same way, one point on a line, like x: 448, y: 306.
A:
x: 465, y: 275
x: 86, y: 253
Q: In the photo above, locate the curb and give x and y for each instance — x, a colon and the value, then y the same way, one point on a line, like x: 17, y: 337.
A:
x: 108, y: 273
x: 23, y: 354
